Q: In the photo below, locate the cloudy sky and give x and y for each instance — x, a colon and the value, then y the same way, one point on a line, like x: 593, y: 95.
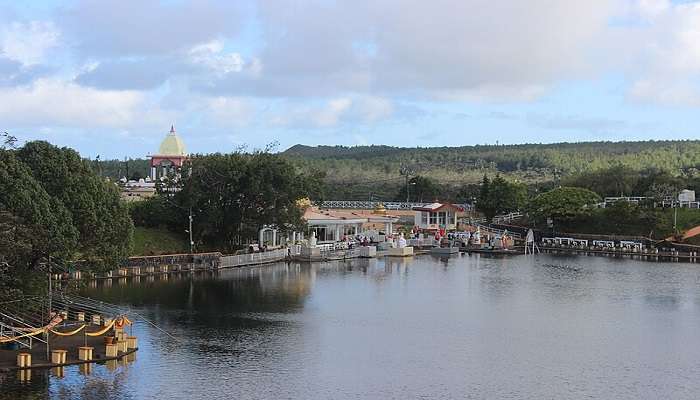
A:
x: 109, y: 77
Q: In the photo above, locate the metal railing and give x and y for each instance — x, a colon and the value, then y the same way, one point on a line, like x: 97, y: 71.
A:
x: 370, y: 205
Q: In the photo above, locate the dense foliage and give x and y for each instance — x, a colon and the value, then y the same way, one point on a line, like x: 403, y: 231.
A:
x: 563, y: 205
x: 231, y: 197
x: 53, y: 204
x: 420, y: 189
x: 95, y: 208
x: 498, y: 196
x: 364, y: 172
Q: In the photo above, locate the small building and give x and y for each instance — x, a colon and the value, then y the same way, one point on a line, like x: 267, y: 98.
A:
x: 170, y: 157
x: 137, y: 190
x: 435, y: 216
x: 686, y: 196
x: 331, y: 226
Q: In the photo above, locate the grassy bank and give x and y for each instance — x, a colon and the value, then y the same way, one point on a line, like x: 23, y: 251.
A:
x: 155, y: 241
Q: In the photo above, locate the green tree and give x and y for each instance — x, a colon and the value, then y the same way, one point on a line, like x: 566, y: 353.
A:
x: 233, y: 195
x: 33, y: 225
x: 563, y: 205
x: 421, y: 189
x: 499, y: 196
x: 618, y: 180
x: 94, y: 205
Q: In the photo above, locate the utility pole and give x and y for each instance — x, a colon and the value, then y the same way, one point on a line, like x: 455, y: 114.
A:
x: 190, y: 230
x: 408, y: 197
x: 406, y: 172
x: 675, y: 220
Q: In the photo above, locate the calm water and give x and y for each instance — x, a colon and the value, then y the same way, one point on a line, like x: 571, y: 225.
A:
x: 543, y: 328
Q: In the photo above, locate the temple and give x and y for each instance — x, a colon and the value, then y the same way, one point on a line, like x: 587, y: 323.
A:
x: 170, y: 157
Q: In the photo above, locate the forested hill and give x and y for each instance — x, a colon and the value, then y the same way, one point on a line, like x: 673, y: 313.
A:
x: 562, y: 157
x: 361, y: 171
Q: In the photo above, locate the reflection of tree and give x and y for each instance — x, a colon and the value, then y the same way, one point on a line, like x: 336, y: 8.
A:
x: 217, y: 299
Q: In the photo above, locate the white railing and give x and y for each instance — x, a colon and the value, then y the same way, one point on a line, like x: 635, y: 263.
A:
x: 370, y: 205
x: 484, y: 228
x: 259, y: 258
x: 680, y: 204
x: 425, y: 242
x: 499, y: 219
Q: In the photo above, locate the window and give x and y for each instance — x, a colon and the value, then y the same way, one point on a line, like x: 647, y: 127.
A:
x: 424, y: 218
x: 433, y: 218
x: 442, y: 219
x: 324, y: 233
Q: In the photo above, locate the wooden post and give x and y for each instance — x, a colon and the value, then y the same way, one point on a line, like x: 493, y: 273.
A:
x: 111, y: 350
x: 24, y: 360
x: 85, y: 353
x: 131, y: 342
x: 58, y: 356
x: 81, y: 317
x: 121, y: 346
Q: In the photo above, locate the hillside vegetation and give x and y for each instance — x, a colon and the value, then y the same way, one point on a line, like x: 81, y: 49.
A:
x: 363, y: 172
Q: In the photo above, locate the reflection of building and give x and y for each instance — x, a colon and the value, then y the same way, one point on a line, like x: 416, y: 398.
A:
x: 437, y: 216
x: 171, y: 155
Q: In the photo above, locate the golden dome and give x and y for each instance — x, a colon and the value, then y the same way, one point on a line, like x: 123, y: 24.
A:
x: 379, y: 209
x: 304, y: 203
x: 172, y: 145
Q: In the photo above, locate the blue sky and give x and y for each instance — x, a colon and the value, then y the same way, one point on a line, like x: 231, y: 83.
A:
x: 110, y: 77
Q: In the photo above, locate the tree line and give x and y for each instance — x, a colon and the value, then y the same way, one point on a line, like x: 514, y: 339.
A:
x: 53, y: 204
x: 230, y: 198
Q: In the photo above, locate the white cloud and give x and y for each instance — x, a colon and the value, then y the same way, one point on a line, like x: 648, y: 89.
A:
x: 212, y: 55
x: 371, y: 108
x: 332, y: 112
x: 668, y: 64
x: 28, y: 42
x: 652, y: 8
x: 54, y: 102
x: 355, y: 109
x: 230, y: 111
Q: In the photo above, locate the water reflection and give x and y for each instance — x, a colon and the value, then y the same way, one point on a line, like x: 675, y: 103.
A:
x: 464, y: 326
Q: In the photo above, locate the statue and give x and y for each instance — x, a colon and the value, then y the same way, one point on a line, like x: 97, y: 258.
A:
x: 312, y: 240
x: 401, y: 241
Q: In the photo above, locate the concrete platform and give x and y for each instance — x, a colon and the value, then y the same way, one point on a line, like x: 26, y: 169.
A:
x: 400, y: 252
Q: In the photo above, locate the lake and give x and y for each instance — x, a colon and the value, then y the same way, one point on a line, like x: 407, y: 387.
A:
x: 468, y: 327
